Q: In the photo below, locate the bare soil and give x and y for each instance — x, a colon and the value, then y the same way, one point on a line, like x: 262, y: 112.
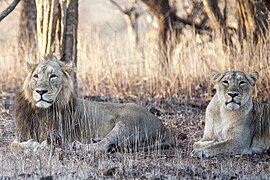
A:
x: 185, y: 119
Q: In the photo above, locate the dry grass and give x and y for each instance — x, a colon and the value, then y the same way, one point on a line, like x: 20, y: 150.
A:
x: 167, y: 164
x: 109, y: 67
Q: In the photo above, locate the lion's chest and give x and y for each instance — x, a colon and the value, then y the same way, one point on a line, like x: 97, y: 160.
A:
x: 43, y: 128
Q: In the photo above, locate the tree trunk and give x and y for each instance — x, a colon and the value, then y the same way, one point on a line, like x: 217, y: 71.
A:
x: 267, y: 4
x: 27, y: 30
x: 165, y: 14
x: 131, y: 16
x: 242, y: 19
x: 166, y: 20
x: 170, y: 25
x: 57, y: 23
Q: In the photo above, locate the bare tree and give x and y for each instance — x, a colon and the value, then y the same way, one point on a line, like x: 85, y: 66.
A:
x: 57, y: 23
x: 131, y: 15
x: 170, y: 25
x: 237, y: 19
x: 267, y: 4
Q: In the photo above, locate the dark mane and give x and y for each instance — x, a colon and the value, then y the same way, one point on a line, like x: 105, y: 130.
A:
x: 42, y: 124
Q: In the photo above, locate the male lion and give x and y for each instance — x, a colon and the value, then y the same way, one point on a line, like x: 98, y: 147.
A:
x: 234, y: 124
x: 48, y: 112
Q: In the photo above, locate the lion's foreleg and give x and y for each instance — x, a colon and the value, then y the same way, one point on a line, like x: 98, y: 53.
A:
x: 17, y: 146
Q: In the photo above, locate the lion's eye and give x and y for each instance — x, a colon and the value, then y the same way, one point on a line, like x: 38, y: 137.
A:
x: 242, y: 83
x: 225, y: 83
x: 52, y: 76
x: 35, y: 76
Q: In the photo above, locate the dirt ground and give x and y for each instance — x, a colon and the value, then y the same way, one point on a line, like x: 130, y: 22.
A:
x: 186, y: 120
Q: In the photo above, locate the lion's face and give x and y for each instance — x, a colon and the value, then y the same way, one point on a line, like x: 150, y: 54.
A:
x: 48, y: 83
x: 234, y: 88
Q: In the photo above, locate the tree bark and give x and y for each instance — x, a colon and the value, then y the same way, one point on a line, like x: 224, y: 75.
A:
x: 57, y: 23
x: 242, y: 19
x: 27, y: 30
x: 131, y: 16
x: 170, y: 25
x: 166, y: 17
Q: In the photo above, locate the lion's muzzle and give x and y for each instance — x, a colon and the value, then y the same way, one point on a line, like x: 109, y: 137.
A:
x: 41, y: 98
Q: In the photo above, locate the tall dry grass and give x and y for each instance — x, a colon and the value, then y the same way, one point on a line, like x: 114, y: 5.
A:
x: 109, y: 66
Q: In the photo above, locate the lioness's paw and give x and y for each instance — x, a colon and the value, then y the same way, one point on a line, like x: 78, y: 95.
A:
x: 200, y: 153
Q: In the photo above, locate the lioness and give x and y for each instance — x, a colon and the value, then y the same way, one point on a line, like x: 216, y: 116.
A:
x: 234, y: 124
x: 48, y: 112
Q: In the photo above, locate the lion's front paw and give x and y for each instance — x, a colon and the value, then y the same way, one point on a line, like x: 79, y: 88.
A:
x: 25, y: 146
x: 200, y: 153
x: 76, y: 145
x: 31, y: 144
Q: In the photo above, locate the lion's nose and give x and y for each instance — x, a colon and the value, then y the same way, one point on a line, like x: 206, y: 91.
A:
x: 42, y: 91
x: 233, y: 94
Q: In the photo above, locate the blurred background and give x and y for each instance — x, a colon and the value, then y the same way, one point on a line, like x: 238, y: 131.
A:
x: 143, y: 48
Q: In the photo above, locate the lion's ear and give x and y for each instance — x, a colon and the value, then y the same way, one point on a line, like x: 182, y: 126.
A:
x: 30, y: 66
x: 253, y: 77
x: 215, y: 76
x: 68, y: 68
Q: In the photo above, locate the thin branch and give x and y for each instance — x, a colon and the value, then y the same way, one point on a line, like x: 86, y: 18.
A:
x: 9, y: 9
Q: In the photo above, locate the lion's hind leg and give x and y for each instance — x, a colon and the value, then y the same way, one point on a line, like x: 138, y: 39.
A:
x: 126, y: 139
x: 111, y: 139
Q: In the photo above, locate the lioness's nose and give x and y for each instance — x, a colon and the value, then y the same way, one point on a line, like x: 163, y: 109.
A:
x: 233, y: 94
x: 42, y: 91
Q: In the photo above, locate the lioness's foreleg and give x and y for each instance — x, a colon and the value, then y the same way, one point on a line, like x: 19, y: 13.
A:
x: 221, y: 148
x: 204, y: 143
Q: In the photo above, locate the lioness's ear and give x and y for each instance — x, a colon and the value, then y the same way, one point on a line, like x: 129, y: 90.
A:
x: 30, y: 66
x: 253, y: 77
x: 215, y: 76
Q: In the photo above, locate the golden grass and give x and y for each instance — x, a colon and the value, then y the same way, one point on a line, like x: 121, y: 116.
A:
x: 109, y: 66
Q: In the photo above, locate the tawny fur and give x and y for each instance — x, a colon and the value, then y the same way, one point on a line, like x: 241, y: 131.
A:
x: 234, y: 124
x: 70, y: 119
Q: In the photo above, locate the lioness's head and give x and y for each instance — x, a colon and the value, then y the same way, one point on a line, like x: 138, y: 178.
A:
x: 234, y: 88
x: 48, y: 82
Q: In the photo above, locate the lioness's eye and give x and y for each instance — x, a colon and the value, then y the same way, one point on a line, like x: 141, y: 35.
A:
x: 226, y: 83
x: 52, y: 76
x: 242, y: 83
x: 35, y: 76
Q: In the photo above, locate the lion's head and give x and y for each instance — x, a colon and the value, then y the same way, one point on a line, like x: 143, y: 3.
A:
x: 48, y: 83
x: 234, y: 88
